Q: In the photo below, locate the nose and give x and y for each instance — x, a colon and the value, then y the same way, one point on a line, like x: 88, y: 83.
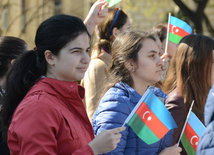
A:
x: 160, y: 62
x: 85, y: 59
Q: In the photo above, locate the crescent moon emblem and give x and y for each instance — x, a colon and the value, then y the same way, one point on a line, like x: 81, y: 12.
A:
x: 145, y: 114
x: 192, y: 139
x: 173, y: 29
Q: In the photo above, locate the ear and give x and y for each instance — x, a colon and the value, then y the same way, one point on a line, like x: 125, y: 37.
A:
x: 115, y: 32
x: 130, y: 66
x: 12, y: 61
x: 50, y: 58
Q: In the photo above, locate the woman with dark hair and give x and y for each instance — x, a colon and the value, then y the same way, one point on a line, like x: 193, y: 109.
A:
x: 42, y: 110
x: 10, y: 49
x: 190, y: 77
x: 135, y: 65
x: 96, y: 76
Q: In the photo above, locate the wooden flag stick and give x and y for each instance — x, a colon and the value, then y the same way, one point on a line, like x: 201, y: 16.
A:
x: 167, y: 35
x: 190, y: 109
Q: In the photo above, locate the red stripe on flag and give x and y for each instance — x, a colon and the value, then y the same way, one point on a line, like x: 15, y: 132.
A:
x: 192, y: 137
x: 151, y: 120
x: 177, y: 30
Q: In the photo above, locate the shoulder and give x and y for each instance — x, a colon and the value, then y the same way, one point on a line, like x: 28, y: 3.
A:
x: 159, y: 93
x: 209, y: 107
x: 206, y: 142
x: 35, y: 107
x: 174, y: 98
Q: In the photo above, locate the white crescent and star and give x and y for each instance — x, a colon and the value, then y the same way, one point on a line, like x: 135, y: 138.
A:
x: 176, y: 30
x: 192, y: 140
x: 148, y: 118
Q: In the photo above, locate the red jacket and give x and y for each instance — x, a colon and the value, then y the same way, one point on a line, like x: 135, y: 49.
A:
x: 51, y: 119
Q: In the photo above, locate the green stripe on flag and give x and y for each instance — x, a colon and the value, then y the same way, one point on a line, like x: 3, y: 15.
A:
x: 142, y: 130
x: 174, y: 38
x: 188, y: 147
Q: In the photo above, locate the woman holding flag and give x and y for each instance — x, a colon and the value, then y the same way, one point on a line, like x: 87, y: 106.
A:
x: 135, y: 65
x: 42, y: 109
x: 190, y: 77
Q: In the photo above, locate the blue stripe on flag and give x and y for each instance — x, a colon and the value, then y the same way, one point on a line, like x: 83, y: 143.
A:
x: 177, y: 22
x: 196, y: 124
x: 159, y: 109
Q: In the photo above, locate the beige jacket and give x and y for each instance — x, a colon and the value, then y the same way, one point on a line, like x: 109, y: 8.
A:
x: 95, y: 80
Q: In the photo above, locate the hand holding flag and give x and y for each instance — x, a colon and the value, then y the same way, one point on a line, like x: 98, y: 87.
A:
x: 150, y: 119
x: 192, y: 131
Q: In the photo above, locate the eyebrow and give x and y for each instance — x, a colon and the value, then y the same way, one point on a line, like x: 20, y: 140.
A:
x: 78, y: 48
x: 152, y: 51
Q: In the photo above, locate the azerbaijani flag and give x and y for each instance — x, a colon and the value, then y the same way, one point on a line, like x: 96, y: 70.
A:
x: 178, y: 29
x: 113, y: 2
x: 150, y: 119
x: 192, y: 132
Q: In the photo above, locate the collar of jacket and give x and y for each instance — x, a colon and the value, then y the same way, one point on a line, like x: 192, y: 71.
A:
x: 104, y: 56
x: 134, y: 97
x: 67, y: 89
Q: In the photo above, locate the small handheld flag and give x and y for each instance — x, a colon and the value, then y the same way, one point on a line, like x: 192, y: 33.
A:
x: 113, y: 2
x: 150, y: 119
x: 178, y: 29
x: 192, y: 133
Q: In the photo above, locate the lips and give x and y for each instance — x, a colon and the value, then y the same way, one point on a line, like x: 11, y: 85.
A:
x: 83, y: 69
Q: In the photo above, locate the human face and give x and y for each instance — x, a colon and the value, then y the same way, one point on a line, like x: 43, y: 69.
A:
x: 148, y: 66
x: 73, y: 60
x: 171, y: 48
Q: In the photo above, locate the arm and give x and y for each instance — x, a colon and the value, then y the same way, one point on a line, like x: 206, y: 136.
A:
x: 176, y: 109
x: 112, y: 113
x: 96, y: 14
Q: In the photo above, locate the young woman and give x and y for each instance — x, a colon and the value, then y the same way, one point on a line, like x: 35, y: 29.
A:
x: 161, y: 30
x: 10, y: 49
x: 190, y: 77
x: 135, y: 65
x: 42, y: 109
x: 97, y: 75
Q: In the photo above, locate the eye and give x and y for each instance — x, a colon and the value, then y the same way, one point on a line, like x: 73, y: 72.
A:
x: 88, y: 50
x: 152, y: 55
x: 75, y: 51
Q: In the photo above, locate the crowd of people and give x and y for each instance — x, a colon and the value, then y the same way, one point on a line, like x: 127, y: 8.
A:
x: 44, y: 110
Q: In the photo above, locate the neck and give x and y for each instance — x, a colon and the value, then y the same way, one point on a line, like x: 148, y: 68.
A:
x: 140, y: 87
x: 2, y: 82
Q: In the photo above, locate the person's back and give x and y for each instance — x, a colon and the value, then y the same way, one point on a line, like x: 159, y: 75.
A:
x: 97, y: 74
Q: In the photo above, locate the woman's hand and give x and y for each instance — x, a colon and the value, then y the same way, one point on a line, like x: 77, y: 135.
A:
x: 97, y: 14
x: 106, y: 141
x: 165, y: 67
x: 173, y: 150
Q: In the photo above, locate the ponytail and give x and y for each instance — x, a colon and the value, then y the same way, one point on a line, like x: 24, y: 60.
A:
x: 23, y: 75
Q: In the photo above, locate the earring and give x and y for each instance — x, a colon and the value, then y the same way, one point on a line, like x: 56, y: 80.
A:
x: 132, y: 69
